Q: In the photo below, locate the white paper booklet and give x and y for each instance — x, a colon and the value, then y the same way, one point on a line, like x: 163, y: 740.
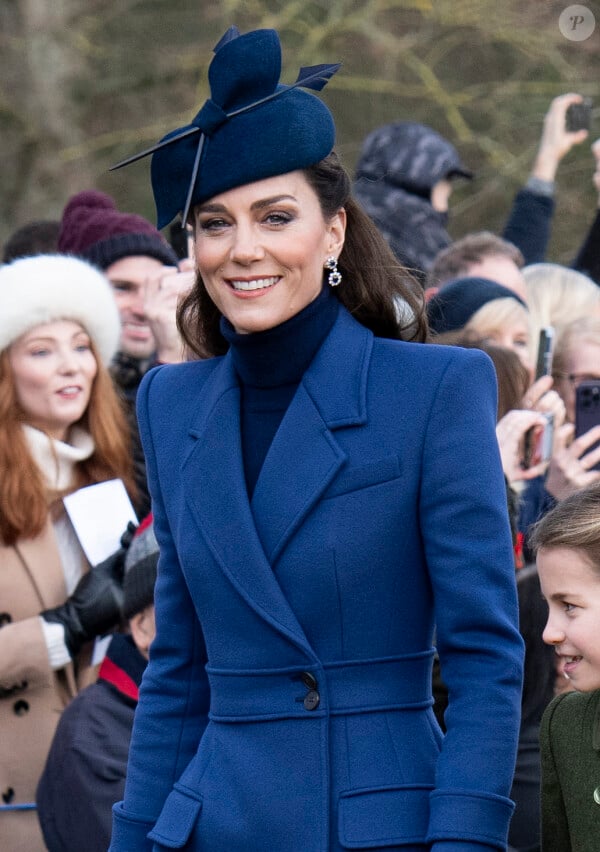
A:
x: 100, y: 514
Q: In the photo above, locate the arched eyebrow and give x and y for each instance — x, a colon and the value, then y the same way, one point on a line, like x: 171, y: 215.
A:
x: 212, y: 207
x: 560, y: 596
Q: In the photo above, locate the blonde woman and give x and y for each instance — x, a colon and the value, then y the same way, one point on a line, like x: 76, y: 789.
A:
x: 481, y: 309
x: 556, y: 296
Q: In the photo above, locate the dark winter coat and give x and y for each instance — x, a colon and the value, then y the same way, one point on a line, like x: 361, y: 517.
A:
x: 570, y: 745
x: 85, y: 771
x: 398, y: 167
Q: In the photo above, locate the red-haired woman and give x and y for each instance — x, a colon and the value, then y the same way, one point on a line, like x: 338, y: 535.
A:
x: 61, y: 428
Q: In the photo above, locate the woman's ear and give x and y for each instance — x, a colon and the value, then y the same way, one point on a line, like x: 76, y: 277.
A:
x: 337, y: 232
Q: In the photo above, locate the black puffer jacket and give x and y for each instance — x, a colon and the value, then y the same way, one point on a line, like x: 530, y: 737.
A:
x: 399, y: 165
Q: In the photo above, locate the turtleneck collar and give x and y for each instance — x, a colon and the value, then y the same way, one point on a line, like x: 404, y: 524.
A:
x: 280, y: 355
x: 57, y: 459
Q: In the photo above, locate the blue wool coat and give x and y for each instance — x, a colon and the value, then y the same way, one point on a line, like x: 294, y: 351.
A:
x: 287, y: 703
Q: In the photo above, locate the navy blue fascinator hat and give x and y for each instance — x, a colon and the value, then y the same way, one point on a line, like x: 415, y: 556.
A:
x: 252, y: 127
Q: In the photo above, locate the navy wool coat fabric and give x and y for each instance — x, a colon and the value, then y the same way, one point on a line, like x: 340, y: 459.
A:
x: 287, y: 703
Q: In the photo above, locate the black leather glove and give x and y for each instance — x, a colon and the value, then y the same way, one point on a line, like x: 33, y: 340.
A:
x: 95, y: 605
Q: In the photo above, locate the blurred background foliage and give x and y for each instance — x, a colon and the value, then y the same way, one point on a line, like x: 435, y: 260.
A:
x: 85, y: 83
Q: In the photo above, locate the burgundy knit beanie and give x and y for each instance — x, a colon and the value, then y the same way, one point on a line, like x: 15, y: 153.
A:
x: 93, y: 228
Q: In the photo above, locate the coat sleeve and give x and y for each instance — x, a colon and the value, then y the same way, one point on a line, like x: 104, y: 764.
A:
x: 555, y: 827
x: 174, y: 697
x: 529, y: 224
x: 468, y: 550
x: 588, y: 256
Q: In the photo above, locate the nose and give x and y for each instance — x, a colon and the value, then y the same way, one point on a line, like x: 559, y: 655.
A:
x: 68, y: 361
x: 137, y: 303
x: 246, y: 247
x: 553, y: 634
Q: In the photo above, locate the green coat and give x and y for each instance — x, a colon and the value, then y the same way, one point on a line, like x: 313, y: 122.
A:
x: 570, y: 747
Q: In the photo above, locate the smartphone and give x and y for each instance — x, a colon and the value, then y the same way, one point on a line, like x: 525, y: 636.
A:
x: 579, y: 116
x: 538, y: 442
x: 587, y: 410
x: 544, y: 353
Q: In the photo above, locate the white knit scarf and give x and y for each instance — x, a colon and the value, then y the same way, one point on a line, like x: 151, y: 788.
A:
x: 57, y: 459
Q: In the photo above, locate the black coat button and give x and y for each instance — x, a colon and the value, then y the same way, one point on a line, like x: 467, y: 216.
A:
x: 21, y: 707
x: 5, y: 618
x: 309, y: 680
x: 8, y: 795
x: 311, y: 700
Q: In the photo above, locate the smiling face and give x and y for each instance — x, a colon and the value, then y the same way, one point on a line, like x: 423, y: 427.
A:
x: 260, y: 250
x: 571, y: 586
x: 53, y: 370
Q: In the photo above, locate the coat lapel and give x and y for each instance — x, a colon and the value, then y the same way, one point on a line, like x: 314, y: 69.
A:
x: 302, y: 461
x: 218, y: 498
x: 41, y: 560
x: 305, y: 456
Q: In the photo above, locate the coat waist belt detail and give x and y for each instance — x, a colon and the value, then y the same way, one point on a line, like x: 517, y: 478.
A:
x: 338, y: 688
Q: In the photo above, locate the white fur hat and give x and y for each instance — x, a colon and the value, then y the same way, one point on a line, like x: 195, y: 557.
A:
x: 47, y: 287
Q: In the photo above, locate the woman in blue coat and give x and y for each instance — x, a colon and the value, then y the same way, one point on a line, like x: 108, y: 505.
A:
x: 326, y: 492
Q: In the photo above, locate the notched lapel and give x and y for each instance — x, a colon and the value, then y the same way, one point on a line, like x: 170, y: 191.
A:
x: 302, y: 460
x: 217, y: 495
x: 305, y: 456
x: 41, y: 558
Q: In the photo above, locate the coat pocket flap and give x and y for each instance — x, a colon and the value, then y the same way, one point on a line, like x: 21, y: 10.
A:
x: 177, y: 819
x: 364, y: 476
x: 383, y: 816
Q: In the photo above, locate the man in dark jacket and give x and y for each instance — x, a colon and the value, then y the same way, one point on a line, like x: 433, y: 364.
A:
x: 85, y: 770
x: 403, y: 181
x: 404, y: 178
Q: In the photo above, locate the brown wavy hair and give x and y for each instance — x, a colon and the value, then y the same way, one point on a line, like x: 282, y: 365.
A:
x: 24, y: 498
x: 573, y: 523
x: 378, y: 291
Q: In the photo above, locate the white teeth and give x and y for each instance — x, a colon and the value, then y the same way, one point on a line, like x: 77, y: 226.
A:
x: 257, y: 284
x: 70, y: 391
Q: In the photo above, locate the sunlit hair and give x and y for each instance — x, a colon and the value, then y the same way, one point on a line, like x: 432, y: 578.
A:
x: 573, y: 523
x: 24, y: 499
x: 571, y: 335
x: 375, y: 288
x: 556, y: 296
x: 496, y: 314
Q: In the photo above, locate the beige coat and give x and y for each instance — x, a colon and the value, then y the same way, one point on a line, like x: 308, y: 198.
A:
x: 32, y: 696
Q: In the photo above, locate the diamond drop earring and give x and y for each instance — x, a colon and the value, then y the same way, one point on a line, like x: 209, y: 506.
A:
x: 335, y: 276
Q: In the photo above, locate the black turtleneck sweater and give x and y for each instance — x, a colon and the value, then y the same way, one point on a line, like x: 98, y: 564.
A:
x: 270, y: 365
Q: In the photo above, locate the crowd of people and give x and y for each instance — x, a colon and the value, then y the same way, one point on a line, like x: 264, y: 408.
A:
x: 358, y: 607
